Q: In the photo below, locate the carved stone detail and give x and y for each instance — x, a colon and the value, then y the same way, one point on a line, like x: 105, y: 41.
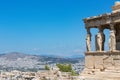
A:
x: 88, y: 42
x: 112, y: 41
x: 100, y: 39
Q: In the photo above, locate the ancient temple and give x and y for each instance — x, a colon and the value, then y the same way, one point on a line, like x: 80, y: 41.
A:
x: 101, y: 64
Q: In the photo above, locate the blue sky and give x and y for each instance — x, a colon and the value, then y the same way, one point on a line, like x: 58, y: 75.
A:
x: 52, y: 27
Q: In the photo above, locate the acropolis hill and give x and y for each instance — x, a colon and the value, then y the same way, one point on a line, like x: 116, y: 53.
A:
x: 101, y: 64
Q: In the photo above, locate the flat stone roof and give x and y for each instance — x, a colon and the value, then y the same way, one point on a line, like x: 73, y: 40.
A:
x: 99, y: 16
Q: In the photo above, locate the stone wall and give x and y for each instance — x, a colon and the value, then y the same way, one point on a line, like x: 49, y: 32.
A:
x: 102, y: 60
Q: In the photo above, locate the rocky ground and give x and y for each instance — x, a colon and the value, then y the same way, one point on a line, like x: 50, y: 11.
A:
x: 101, y: 75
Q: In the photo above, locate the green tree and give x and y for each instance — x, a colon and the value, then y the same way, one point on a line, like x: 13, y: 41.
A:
x: 47, y: 67
x: 65, y: 67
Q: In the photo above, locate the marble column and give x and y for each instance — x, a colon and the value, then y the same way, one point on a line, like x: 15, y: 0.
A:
x: 100, y: 40
x: 112, y: 38
x: 88, y: 40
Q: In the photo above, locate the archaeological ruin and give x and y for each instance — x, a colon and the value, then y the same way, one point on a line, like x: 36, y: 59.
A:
x: 101, y: 64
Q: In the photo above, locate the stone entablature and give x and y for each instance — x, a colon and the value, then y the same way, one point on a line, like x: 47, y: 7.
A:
x: 105, y: 19
x: 102, y: 20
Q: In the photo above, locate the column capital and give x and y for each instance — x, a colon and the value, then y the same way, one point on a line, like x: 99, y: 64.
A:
x: 112, y: 26
x: 88, y: 30
x: 100, y: 28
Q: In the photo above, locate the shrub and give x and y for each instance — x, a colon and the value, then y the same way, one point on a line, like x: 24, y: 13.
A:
x: 47, y: 67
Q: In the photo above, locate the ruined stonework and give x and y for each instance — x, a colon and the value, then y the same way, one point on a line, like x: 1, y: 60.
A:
x: 100, y: 64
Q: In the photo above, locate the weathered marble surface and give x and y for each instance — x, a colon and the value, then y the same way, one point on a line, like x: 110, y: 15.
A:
x: 112, y: 41
x: 88, y: 42
x: 100, y: 64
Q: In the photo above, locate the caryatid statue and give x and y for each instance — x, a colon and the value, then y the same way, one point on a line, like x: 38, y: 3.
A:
x: 88, y: 42
x: 112, y: 41
x: 100, y: 40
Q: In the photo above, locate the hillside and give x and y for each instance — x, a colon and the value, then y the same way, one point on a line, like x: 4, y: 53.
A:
x: 26, y: 62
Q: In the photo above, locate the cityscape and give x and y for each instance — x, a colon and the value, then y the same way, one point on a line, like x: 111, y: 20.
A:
x: 19, y: 66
